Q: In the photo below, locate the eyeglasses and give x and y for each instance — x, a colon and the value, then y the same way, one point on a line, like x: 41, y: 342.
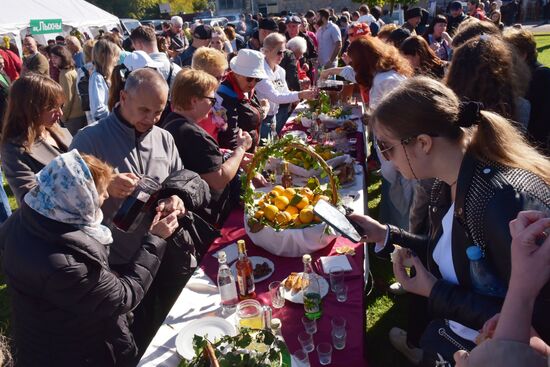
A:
x: 280, y: 52
x: 385, y: 149
x: 211, y: 99
x: 250, y: 79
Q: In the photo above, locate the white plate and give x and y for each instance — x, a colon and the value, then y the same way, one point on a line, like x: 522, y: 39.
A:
x: 256, y: 260
x: 215, y: 327
x: 298, y: 297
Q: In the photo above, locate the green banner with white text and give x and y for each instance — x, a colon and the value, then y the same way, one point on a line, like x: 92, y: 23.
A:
x: 43, y: 26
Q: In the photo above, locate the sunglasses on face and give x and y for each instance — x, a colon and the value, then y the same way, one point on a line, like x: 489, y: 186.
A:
x: 212, y: 100
x: 255, y: 80
x: 280, y: 52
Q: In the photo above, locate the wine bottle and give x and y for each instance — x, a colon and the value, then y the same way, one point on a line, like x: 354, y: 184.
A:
x: 311, y: 290
x: 286, y: 179
x: 245, y: 275
x: 226, y: 285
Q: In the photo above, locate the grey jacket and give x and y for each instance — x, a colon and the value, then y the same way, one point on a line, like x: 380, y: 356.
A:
x: 152, y: 153
x: 20, y: 166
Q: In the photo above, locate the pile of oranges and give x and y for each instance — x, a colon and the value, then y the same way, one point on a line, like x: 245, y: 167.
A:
x: 288, y: 208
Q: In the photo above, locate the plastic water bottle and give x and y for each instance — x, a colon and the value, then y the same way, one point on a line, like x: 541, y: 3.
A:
x: 226, y: 285
x: 484, y: 280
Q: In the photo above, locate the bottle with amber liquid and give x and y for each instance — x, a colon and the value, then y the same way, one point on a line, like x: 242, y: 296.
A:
x: 245, y: 274
x: 286, y: 179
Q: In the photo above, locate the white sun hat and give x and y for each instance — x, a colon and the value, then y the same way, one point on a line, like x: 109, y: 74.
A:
x: 140, y: 59
x: 249, y: 63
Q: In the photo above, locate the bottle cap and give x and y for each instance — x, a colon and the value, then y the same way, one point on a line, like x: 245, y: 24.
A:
x: 306, y: 258
x: 474, y: 253
x: 222, y: 257
x: 276, y: 324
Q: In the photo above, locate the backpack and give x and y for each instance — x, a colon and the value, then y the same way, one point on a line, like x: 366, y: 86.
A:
x: 82, y: 88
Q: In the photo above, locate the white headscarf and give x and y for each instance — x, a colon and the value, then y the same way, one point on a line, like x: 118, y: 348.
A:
x: 66, y: 193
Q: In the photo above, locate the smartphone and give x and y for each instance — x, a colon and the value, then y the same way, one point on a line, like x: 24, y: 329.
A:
x: 337, y: 220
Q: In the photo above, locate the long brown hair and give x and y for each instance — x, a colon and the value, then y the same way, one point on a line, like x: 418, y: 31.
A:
x: 429, y: 62
x: 65, y: 55
x: 105, y: 56
x: 370, y: 56
x: 30, y: 96
x: 482, y: 70
x: 433, y: 108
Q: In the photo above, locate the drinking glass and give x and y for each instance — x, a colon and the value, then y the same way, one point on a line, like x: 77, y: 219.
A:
x: 336, y: 274
x: 302, y: 358
x: 306, y: 341
x: 339, y: 340
x: 324, y: 351
x: 309, y: 325
x: 342, y: 293
x: 249, y: 314
x: 276, y: 293
x: 338, y: 325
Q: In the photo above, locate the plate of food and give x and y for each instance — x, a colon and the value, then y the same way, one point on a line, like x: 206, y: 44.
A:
x: 262, y: 267
x: 212, y: 327
x: 293, y: 285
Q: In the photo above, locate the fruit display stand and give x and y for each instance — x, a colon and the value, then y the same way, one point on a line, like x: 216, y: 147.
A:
x: 276, y: 235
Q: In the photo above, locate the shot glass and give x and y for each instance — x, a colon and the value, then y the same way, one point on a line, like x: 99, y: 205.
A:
x: 342, y: 293
x: 306, y: 341
x: 339, y: 340
x: 324, y: 351
x: 309, y: 325
x: 336, y: 277
x: 301, y: 357
x: 338, y: 325
x: 276, y: 293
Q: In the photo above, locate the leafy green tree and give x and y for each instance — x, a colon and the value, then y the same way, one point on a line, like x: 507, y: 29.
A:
x: 391, y: 3
x: 200, y: 5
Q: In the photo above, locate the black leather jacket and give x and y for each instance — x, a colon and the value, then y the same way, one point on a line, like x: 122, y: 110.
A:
x: 488, y: 197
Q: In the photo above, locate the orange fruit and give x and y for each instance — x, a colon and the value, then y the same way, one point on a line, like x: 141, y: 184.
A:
x: 283, y: 218
x: 292, y: 210
x: 281, y: 202
x: 279, y: 189
x: 270, y: 211
x: 289, y: 193
x: 306, y: 216
x: 302, y: 203
x: 259, y: 214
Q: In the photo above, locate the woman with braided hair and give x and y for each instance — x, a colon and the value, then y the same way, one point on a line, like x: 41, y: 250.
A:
x: 486, y: 173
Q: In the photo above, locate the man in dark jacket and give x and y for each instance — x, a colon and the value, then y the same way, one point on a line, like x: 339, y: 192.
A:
x: 457, y: 16
x: 202, y: 35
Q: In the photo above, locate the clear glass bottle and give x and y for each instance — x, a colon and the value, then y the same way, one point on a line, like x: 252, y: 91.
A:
x: 286, y: 179
x: 245, y: 274
x: 484, y: 281
x: 226, y: 285
x: 311, y: 290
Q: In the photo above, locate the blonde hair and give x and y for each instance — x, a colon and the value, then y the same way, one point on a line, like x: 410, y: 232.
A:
x: 105, y: 56
x: 273, y: 40
x: 433, y: 108
x: 87, y: 48
x: 386, y: 30
x: 209, y: 59
x: 191, y: 83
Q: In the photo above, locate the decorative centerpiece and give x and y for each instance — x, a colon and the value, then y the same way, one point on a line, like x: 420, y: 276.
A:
x: 250, y: 348
x: 281, y: 221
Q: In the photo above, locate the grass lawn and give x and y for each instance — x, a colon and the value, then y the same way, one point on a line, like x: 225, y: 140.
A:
x: 543, y: 48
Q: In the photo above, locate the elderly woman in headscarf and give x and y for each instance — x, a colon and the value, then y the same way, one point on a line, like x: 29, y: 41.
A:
x: 68, y: 307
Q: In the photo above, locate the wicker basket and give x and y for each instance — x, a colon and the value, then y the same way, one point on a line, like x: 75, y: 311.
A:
x: 291, y: 242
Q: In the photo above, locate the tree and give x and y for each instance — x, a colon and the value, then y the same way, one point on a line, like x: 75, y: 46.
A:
x: 390, y: 3
x: 126, y: 8
x: 200, y: 5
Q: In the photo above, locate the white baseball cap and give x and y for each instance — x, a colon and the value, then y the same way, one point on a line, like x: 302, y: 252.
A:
x: 139, y: 60
x: 249, y: 63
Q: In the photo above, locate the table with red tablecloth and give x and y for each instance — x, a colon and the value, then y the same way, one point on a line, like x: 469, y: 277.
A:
x: 200, y: 299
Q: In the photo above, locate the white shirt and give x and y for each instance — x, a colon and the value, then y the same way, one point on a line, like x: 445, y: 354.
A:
x: 275, y: 89
x: 165, y: 69
x: 443, y: 257
x: 327, y: 36
x: 382, y: 84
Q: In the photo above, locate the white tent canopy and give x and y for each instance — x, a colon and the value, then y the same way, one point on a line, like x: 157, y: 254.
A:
x: 15, y: 18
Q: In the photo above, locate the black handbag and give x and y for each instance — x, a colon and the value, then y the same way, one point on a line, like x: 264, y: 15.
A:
x: 439, y: 343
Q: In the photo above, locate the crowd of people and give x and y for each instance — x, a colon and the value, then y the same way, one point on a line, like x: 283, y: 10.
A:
x: 457, y: 106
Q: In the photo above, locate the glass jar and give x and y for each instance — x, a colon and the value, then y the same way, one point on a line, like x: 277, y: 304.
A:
x: 249, y: 314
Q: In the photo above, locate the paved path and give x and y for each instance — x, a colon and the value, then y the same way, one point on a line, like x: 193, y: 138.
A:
x: 538, y: 27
